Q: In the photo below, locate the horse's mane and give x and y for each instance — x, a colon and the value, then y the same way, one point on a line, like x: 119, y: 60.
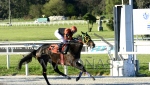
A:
x: 76, y: 45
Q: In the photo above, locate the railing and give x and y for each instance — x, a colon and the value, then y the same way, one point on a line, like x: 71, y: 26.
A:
x: 63, y: 22
x: 8, y: 48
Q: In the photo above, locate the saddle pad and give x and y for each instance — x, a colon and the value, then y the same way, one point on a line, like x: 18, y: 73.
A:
x: 53, y: 48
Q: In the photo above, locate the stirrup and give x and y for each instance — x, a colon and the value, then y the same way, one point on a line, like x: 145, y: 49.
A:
x: 64, y: 52
x: 59, y: 50
x: 62, y: 63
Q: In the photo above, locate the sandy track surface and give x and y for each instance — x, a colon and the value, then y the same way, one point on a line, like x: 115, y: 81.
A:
x: 59, y: 80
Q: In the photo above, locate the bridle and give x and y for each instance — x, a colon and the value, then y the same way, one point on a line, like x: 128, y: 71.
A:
x: 86, y: 39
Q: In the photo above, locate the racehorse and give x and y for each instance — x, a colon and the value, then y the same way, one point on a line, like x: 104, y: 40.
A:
x: 46, y: 53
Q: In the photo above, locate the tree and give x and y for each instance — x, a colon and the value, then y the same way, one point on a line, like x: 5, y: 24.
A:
x: 143, y: 3
x: 35, y: 11
x: 110, y: 4
x: 101, y: 8
x: 91, y: 6
x: 54, y: 7
x: 90, y: 19
x: 35, y: 2
x: 70, y: 10
x: 110, y: 24
x: 3, y: 9
x: 19, y: 8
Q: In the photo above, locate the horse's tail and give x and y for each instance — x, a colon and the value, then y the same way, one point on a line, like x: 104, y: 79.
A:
x: 27, y: 59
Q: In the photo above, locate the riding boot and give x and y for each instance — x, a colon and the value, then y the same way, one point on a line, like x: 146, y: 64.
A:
x: 60, y: 46
x: 66, y: 49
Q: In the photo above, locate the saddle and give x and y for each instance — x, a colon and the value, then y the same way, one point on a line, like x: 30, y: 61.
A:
x: 54, y: 49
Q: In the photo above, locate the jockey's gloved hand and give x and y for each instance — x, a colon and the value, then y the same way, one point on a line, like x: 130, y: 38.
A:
x: 75, y: 39
x: 67, y: 35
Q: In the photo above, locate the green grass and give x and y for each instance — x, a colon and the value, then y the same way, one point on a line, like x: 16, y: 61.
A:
x: 35, y: 33
x: 36, y: 69
x: 95, y: 64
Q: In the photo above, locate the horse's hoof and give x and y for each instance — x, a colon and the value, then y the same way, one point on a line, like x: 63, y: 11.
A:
x: 48, y: 84
x: 68, y: 77
x: 77, y: 78
x: 93, y: 79
x: 18, y: 68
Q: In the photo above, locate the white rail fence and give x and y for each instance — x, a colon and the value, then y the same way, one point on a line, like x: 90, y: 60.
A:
x: 59, y: 22
x: 65, y: 22
x: 9, y: 49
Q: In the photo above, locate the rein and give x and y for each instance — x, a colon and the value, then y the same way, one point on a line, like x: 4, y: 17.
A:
x: 86, y: 39
x: 80, y: 41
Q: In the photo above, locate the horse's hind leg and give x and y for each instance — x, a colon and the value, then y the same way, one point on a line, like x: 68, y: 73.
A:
x: 43, y: 61
x: 58, y: 71
x: 81, y: 67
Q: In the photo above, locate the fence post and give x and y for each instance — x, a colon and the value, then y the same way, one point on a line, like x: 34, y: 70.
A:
x: 66, y: 70
x: 26, y: 69
x: 149, y: 66
x: 137, y: 66
x: 86, y: 48
x: 8, y: 60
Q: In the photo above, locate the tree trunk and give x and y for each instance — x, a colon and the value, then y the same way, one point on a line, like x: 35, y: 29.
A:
x: 90, y: 29
x: 88, y: 24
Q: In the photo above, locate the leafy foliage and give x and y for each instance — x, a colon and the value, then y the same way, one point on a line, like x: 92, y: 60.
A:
x: 35, y: 11
x: 110, y: 24
x: 91, y: 20
x: 68, y: 8
x: 110, y: 4
x: 54, y: 7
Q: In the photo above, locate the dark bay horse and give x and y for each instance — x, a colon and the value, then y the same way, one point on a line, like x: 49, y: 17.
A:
x: 46, y: 53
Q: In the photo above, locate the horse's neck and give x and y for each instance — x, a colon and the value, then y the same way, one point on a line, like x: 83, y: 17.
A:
x: 76, y: 48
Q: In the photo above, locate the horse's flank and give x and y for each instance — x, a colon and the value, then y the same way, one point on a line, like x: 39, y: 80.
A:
x: 73, y: 54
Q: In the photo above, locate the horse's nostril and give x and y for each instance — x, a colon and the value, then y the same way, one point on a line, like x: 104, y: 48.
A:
x: 94, y: 46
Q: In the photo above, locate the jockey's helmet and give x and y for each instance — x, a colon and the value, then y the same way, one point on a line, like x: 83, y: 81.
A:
x: 73, y: 29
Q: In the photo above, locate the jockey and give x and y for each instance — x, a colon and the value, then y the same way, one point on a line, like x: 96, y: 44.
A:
x: 65, y: 34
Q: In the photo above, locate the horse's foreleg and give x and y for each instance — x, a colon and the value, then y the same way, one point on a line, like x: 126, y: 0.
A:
x: 90, y: 75
x: 44, y: 65
x: 80, y: 74
x: 81, y: 67
x: 58, y: 71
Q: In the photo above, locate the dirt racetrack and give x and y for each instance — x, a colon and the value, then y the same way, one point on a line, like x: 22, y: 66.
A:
x: 59, y: 80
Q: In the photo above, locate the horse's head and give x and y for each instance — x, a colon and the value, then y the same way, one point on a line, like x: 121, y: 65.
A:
x: 86, y: 39
x: 77, y: 44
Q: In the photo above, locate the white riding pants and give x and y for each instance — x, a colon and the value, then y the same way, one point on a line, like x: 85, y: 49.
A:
x: 59, y: 36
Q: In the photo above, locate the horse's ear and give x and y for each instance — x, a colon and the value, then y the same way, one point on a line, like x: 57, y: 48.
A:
x: 82, y: 32
x: 86, y: 33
